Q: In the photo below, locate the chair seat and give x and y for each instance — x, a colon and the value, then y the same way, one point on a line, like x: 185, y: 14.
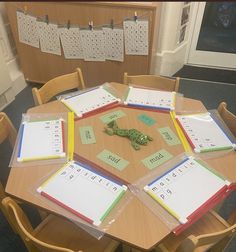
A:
x: 67, y: 234
x: 210, y: 222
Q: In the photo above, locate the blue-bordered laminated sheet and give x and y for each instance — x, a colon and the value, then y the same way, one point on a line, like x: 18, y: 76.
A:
x: 84, y: 195
x: 150, y: 98
x: 44, y: 139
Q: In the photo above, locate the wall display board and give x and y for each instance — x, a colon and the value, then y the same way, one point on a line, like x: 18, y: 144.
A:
x: 81, y: 14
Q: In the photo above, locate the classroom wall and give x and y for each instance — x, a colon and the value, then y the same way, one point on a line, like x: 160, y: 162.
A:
x: 168, y: 58
x: 171, y: 56
x: 12, y: 80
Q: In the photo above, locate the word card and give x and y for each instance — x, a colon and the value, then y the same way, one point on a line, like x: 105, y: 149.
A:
x: 90, y: 100
x: 71, y: 42
x: 112, y: 159
x: 156, y: 159
x: 87, y: 135
x: 114, y: 115
x: 136, y: 37
x: 49, y: 37
x: 83, y: 191
x: 41, y: 140
x: 203, y: 133
x: 93, y: 45
x: 169, y: 136
x: 186, y: 189
x: 150, y: 98
x: 114, y: 44
x: 27, y: 29
x: 146, y: 119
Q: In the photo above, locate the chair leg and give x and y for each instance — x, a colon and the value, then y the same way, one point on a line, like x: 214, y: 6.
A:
x: 135, y: 250
x: 126, y: 248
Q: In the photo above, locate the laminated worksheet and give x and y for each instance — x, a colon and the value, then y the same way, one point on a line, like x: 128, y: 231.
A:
x: 136, y: 37
x: 188, y: 189
x: 71, y: 42
x: 93, y: 45
x: 90, y: 101
x: 83, y: 191
x: 150, y: 98
x: 41, y: 140
x: 203, y: 133
x: 27, y: 29
x: 49, y: 37
x: 114, y: 44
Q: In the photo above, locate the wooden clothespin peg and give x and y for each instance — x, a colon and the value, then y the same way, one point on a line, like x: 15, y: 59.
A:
x: 68, y: 24
x: 112, y: 24
x: 47, y: 19
x: 91, y: 25
x: 135, y: 16
x: 25, y: 9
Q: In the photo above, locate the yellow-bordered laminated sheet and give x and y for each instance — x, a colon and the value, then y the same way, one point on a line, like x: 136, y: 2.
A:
x: 44, y: 139
x: 151, y: 98
x: 181, y: 191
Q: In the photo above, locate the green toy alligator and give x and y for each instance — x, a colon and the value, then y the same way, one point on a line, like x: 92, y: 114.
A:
x: 136, y: 137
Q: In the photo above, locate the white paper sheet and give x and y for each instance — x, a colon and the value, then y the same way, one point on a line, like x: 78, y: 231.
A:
x: 27, y: 29
x: 49, y: 38
x: 136, y: 37
x: 93, y: 45
x: 71, y: 42
x: 114, y: 44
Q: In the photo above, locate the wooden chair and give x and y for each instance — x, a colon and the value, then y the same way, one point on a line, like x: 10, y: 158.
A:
x: 153, y: 81
x: 7, y: 131
x: 228, y: 117
x: 58, y: 85
x: 210, y: 232
x: 53, y: 233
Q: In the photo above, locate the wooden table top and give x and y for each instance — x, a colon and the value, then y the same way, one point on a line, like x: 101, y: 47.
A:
x: 137, y: 225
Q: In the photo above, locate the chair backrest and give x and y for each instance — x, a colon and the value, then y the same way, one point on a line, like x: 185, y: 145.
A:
x: 153, y: 81
x: 228, y: 117
x: 58, y: 85
x: 191, y: 243
x: 7, y: 131
x: 21, y: 224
